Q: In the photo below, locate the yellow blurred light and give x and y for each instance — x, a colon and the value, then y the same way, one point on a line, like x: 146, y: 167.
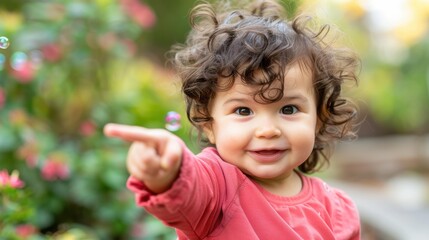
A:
x: 416, y: 27
x: 411, y: 32
x: 103, y: 3
x: 420, y: 7
x: 10, y: 21
x: 353, y: 7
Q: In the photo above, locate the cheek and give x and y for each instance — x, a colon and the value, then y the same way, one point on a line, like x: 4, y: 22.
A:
x: 304, y: 139
x: 230, y: 138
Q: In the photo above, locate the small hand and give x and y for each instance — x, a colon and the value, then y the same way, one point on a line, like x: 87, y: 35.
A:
x: 154, y: 156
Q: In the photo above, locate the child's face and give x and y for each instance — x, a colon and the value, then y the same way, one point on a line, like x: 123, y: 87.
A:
x: 266, y: 141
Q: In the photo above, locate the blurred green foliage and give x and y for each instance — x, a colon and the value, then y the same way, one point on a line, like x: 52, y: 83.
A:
x: 397, y: 95
x: 393, y: 92
x: 16, y: 207
x: 71, y: 67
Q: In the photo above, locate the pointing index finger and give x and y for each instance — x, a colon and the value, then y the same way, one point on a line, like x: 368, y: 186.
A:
x: 131, y: 133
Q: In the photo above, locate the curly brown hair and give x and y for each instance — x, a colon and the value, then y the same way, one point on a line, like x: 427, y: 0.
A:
x: 226, y: 43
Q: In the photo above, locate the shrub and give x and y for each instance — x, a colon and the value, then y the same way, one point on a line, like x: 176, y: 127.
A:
x: 73, y: 66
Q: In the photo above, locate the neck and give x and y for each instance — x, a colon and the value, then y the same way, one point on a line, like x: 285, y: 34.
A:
x: 287, y: 186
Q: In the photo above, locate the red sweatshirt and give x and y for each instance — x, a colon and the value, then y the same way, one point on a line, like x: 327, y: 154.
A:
x: 212, y: 199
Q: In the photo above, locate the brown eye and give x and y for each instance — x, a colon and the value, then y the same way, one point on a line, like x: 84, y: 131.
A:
x: 289, y: 109
x: 243, y: 111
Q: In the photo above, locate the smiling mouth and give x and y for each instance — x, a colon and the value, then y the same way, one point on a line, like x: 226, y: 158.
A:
x: 267, y: 152
x: 267, y: 156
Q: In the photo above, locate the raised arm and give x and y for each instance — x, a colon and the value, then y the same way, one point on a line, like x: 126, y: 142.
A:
x: 154, y: 157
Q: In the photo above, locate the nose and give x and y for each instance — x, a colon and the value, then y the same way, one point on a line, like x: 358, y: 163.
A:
x: 268, y: 131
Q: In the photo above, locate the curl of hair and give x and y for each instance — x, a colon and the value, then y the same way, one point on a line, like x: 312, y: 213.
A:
x: 227, y: 43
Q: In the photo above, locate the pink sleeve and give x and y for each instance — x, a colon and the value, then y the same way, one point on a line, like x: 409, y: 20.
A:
x: 346, y: 218
x: 192, y: 204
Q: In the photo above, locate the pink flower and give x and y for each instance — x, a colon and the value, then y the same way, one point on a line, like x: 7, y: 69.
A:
x: 10, y: 180
x: 87, y: 128
x: 140, y: 13
x: 25, y: 72
x: 2, y: 97
x: 52, y: 52
x: 25, y: 230
x: 55, y: 169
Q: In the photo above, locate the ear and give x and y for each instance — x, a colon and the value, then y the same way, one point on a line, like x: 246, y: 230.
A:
x: 208, y: 131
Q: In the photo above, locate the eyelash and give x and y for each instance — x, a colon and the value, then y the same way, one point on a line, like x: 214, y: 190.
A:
x: 294, y: 109
x: 239, y: 110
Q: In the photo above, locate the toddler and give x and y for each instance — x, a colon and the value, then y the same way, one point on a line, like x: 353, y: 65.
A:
x: 264, y: 94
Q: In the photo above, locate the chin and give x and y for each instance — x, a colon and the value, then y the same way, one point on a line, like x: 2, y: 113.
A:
x: 264, y: 175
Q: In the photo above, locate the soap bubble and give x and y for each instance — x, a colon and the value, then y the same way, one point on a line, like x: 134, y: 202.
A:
x: 172, y: 121
x: 4, y: 42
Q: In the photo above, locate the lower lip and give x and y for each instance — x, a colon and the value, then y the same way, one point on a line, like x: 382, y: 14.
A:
x: 266, y: 156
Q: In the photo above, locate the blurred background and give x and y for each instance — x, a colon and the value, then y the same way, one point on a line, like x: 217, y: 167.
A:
x: 68, y: 67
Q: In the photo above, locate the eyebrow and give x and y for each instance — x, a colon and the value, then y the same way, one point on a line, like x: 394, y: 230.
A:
x: 239, y: 100
x: 295, y: 96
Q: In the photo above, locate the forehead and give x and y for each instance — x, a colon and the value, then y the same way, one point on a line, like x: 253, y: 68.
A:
x: 297, y: 77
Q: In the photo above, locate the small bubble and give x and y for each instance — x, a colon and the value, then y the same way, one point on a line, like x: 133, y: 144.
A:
x: 172, y: 121
x: 4, y: 42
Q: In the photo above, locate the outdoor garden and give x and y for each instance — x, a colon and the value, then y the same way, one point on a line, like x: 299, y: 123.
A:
x: 68, y: 67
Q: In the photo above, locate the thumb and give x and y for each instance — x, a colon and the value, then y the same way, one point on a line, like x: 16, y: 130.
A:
x: 172, y: 156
